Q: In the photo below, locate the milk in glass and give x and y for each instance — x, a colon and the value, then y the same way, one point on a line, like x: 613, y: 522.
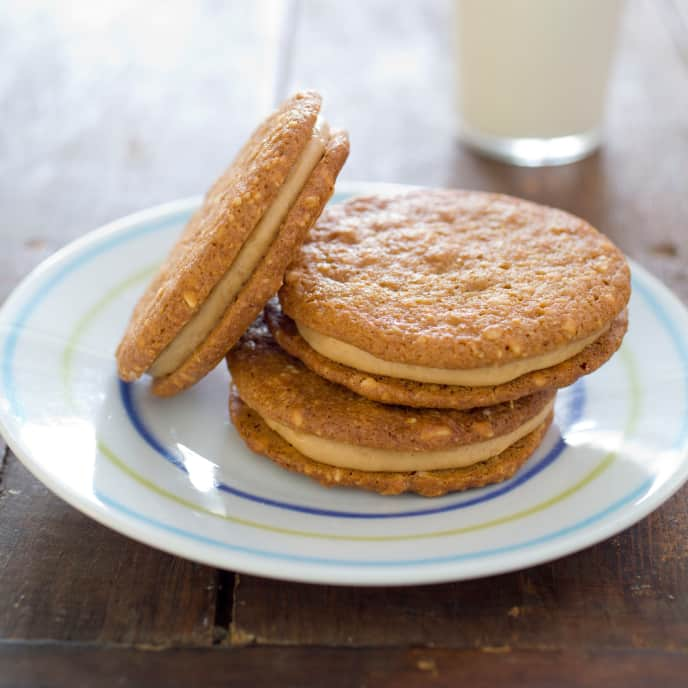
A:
x: 532, y: 75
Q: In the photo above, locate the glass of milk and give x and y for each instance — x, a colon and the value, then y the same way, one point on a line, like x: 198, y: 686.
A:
x: 532, y: 76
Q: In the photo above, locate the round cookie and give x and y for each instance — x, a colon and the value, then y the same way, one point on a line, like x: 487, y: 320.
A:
x: 456, y: 287
x: 302, y: 409
x: 262, y: 440
x: 283, y: 177
x: 390, y: 390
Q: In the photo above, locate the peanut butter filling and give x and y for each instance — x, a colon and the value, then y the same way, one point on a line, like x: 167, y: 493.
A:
x: 254, y: 248
x: 343, y: 455
x: 352, y: 356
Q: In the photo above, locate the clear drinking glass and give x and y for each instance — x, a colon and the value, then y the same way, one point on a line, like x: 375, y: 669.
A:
x: 532, y: 76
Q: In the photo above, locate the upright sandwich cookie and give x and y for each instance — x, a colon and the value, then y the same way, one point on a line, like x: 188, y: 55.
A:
x: 307, y: 424
x: 452, y: 299
x: 233, y: 253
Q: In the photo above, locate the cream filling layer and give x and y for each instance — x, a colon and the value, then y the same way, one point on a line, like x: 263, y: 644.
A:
x: 359, y: 458
x: 254, y: 248
x: 352, y: 356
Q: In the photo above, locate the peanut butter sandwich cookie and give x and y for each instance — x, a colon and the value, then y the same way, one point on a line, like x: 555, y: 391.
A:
x: 307, y: 424
x: 232, y: 255
x: 452, y: 299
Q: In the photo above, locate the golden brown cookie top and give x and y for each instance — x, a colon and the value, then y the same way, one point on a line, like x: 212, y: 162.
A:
x: 282, y: 389
x: 454, y: 279
x: 212, y: 239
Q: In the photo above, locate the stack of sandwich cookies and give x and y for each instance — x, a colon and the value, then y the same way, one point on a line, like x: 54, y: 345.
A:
x: 418, y: 340
x: 233, y: 253
x: 421, y: 338
x: 310, y: 425
x: 452, y: 299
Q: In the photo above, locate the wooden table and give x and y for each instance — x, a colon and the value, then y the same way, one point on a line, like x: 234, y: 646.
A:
x: 124, y: 105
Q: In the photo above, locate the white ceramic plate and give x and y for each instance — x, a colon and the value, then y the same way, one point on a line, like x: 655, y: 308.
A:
x: 175, y: 475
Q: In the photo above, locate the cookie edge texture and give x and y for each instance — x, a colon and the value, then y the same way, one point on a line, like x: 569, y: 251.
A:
x: 267, y: 277
x: 212, y: 238
x: 389, y: 390
x: 262, y: 440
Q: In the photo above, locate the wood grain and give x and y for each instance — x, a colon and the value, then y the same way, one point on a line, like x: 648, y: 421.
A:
x: 386, y: 76
x: 612, y: 595
x: 106, y: 111
x: 111, y: 109
x: 64, y: 576
x: 29, y: 665
x: 4, y: 451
